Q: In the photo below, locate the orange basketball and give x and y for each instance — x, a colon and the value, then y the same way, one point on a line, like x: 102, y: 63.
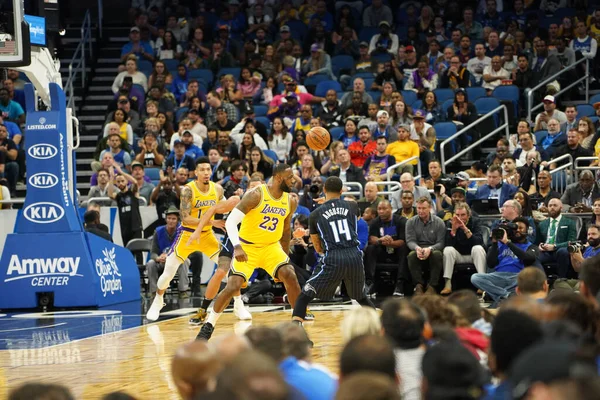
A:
x: 318, y: 138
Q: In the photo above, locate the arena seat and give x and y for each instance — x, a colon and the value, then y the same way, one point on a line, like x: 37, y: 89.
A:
x: 324, y: 86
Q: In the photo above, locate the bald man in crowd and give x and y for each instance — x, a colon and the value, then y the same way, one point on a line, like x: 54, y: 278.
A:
x: 195, y: 368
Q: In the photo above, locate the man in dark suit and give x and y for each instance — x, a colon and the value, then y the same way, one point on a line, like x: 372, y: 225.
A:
x: 554, y: 235
x: 580, y: 196
x: 544, y: 65
x: 347, y: 171
x: 494, y: 188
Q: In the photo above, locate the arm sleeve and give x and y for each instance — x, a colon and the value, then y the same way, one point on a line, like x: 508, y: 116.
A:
x: 231, y: 225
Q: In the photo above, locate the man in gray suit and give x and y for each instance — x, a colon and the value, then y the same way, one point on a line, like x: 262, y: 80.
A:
x: 544, y: 65
x: 407, y: 181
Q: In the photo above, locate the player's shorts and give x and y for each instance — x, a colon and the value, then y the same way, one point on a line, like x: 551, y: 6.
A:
x: 337, y: 266
x: 269, y: 257
x: 209, y: 245
x: 227, y: 249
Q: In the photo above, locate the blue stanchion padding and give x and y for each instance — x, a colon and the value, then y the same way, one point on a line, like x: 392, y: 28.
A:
x: 48, y: 206
x: 81, y: 269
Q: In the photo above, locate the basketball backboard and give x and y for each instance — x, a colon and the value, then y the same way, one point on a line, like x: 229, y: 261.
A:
x: 15, y: 47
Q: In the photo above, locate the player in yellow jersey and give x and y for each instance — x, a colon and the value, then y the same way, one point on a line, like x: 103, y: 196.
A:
x: 196, y: 197
x: 263, y: 241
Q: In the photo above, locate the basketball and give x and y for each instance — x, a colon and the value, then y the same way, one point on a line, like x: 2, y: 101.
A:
x: 318, y: 138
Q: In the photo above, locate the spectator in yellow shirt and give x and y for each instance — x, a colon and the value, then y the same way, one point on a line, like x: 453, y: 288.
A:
x: 403, y: 149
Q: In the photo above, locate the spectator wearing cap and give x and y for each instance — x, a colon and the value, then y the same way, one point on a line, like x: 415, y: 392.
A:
x: 162, y: 241
x: 423, y: 79
x: 191, y: 149
x: 151, y: 155
x: 385, y: 41
x: 330, y: 112
x: 364, y: 148
x: 376, y: 166
x: 494, y: 74
x: 391, y: 73
x: 425, y: 136
x: 144, y: 188
x: 284, y: 35
x: 403, y: 148
x: 131, y: 70
x: 213, y: 99
x: 185, y: 125
x: 357, y: 86
x: 410, y: 63
x: 464, y: 240
x: 469, y: 26
x: 550, y: 111
x: 288, y: 109
x: 477, y: 64
x: 347, y: 45
x: 220, y: 57
x: 376, y: 13
x: 135, y: 47
x: 456, y: 76
x: 383, y: 127
x: 135, y: 94
x: 445, y: 204
x: 178, y: 158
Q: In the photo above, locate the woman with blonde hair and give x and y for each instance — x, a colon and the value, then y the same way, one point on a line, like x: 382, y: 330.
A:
x: 306, y: 172
x: 360, y: 321
x: 332, y: 159
x: 586, y: 130
x: 228, y: 91
x: 319, y: 62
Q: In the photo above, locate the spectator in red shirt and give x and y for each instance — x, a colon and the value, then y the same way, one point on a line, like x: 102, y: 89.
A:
x: 363, y: 149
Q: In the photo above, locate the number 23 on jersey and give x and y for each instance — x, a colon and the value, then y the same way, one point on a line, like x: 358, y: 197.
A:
x: 269, y: 223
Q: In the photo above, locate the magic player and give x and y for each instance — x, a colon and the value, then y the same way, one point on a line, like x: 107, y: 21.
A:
x: 263, y: 241
x: 196, y: 197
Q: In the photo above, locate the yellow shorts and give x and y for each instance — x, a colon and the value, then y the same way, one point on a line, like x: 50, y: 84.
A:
x: 268, y: 257
x: 209, y: 245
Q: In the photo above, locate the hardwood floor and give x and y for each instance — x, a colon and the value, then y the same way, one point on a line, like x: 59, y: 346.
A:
x: 137, y: 360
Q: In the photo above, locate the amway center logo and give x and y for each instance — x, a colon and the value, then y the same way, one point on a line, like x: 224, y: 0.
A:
x: 43, y: 212
x: 42, y: 125
x: 43, y: 180
x: 107, y: 270
x: 42, y: 151
x: 43, y: 271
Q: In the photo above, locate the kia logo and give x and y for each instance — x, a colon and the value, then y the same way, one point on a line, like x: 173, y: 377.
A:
x: 43, y: 212
x: 43, y: 180
x: 42, y: 151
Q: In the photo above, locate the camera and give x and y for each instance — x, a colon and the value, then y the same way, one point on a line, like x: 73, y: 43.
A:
x: 509, y: 227
x: 574, y: 247
x: 315, y: 188
x: 448, y: 182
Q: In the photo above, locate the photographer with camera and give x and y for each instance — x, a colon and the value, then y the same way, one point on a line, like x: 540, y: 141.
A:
x: 464, y: 243
x: 590, y: 250
x: 554, y: 234
x: 495, y: 188
x: 313, y: 193
x: 509, y: 253
x: 510, y: 210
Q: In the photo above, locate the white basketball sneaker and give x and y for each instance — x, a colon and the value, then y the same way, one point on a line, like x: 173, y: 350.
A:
x: 240, y: 311
x: 154, y: 310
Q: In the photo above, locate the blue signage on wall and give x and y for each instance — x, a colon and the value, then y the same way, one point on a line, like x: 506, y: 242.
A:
x: 37, y: 29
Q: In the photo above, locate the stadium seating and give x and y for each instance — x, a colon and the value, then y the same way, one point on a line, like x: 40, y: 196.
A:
x: 508, y: 93
x: 271, y: 154
x: 324, y: 86
x: 409, y: 96
x: 336, y: 132
x: 585, y: 110
x: 260, y: 110
x: 475, y: 92
x: 444, y: 94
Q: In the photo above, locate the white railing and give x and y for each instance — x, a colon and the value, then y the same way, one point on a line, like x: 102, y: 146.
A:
x: 562, y: 180
x: 358, y: 192
x: 464, y: 130
x: 582, y: 167
x: 77, y: 64
x: 392, y: 168
x: 530, y: 91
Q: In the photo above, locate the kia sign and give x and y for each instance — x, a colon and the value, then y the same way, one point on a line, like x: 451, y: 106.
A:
x: 43, y: 212
x: 42, y: 151
x: 43, y: 180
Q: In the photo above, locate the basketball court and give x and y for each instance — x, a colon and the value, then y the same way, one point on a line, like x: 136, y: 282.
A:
x: 95, y: 352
